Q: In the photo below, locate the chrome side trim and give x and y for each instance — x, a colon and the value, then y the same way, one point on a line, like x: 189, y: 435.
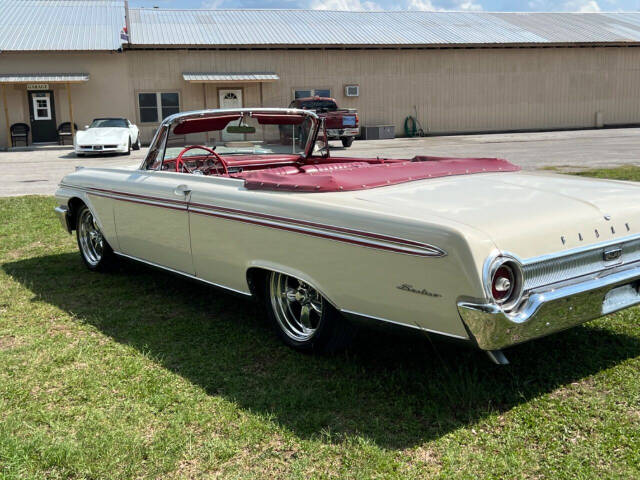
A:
x: 328, y: 233
x: 547, y: 310
x: 331, y: 232
x: 188, y: 275
x: 415, y: 327
x: 420, y: 248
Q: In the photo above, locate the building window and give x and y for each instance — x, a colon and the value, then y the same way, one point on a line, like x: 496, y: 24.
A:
x: 311, y: 92
x: 156, y: 106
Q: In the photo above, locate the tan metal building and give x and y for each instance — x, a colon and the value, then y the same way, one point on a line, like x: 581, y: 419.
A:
x: 456, y: 72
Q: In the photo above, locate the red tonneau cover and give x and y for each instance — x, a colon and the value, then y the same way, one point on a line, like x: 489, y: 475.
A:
x: 343, y: 176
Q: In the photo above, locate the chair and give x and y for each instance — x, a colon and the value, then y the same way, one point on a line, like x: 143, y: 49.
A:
x: 64, y: 130
x: 19, y: 131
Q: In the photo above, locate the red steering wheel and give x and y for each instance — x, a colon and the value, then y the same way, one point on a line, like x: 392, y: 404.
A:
x: 181, y: 164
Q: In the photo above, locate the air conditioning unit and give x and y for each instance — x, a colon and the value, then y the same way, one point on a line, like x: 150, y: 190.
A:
x: 352, y: 90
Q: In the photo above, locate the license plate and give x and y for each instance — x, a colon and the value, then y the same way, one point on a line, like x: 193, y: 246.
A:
x: 620, y: 297
x: 348, y: 121
x: 97, y: 147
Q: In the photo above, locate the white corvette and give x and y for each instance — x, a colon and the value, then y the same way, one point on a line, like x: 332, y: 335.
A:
x: 107, y: 135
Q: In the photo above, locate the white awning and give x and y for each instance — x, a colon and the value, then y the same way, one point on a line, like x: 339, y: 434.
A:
x: 44, y: 78
x: 230, y: 77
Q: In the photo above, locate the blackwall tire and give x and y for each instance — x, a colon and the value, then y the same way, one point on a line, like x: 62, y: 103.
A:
x: 347, y: 141
x: 96, y: 253
x: 303, y: 318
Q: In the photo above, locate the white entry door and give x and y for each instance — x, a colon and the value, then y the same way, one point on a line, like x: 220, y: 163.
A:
x: 231, y: 98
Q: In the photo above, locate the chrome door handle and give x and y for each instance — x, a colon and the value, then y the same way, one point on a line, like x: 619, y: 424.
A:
x: 182, y: 190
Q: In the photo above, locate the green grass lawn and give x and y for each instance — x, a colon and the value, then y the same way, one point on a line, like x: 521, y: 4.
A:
x: 629, y: 172
x: 138, y: 373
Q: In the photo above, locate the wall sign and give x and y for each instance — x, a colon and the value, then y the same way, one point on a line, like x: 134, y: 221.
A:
x: 37, y: 86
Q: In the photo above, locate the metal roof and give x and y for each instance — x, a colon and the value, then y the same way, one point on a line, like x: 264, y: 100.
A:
x: 345, y: 28
x: 64, y: 25
x: 52, y: 25
x: 203, y: 77
x: 44, y: 77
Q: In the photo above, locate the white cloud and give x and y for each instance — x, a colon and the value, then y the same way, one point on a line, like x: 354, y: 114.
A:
x: 212, y: 4
x: 427, y: 5
x: 567, y: 6
x: 588, y: 6
x: 470, y: 6
x: 344, y: 5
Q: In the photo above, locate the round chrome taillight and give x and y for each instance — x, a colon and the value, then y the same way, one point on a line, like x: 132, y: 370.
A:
x: 505, y: 282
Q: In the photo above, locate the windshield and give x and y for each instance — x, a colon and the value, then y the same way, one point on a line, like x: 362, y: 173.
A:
x: 326, y: 105
x: 108, y: 122
x: 240, y: 134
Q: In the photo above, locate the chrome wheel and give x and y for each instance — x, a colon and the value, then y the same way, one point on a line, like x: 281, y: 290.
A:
x: 296, y: 305
x: 90, y: 238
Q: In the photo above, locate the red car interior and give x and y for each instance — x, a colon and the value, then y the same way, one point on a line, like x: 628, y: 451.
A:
x: 363, y: 174
x: 292, y: 172
x: 315, y: 174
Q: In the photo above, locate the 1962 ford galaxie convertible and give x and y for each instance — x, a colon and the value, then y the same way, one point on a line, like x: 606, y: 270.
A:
x: 473, y: 249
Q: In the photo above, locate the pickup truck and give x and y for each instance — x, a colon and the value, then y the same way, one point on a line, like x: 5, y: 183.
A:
x: 341, y: 124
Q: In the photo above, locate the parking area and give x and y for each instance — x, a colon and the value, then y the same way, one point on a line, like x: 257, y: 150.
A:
x: 39, y: 171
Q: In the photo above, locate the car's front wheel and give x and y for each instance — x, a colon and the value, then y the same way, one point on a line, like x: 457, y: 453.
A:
x: 136, y: 146
x: 94, y: 249
x: 128, y: 152
x: 302, y: 317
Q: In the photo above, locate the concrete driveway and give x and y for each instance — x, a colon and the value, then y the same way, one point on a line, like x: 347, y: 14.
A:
x: 38, y: 172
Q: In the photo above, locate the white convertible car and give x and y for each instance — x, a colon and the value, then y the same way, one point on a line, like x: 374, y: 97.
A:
x: 107, y: 135
x: 472, y: 249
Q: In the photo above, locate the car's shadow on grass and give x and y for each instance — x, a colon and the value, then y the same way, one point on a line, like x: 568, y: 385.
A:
x: 397, y: 391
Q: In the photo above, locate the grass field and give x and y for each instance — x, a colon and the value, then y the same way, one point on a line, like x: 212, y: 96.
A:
x: 138, y: 374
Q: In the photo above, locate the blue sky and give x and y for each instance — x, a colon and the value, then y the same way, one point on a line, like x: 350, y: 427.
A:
x: 456, y: 5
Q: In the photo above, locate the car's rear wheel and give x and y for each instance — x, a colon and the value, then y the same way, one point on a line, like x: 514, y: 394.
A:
x: 94, y: 249
x: 302, y: 317
x: 347, y: 141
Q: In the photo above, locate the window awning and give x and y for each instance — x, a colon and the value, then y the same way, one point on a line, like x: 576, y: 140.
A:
x: 230, y: 77
x: 44, y: 78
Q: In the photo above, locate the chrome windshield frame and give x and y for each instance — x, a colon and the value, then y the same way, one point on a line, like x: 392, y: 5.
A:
x: 162, y: 132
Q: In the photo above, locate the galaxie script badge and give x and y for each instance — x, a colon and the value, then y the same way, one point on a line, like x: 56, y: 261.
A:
x: 410, y: 288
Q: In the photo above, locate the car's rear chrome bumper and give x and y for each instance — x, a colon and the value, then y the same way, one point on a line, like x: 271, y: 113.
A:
x: 554, y: 308
x: 63, y: 215
x: 343, y: 132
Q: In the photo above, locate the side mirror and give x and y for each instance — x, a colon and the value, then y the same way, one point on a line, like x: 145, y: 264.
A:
x: 86, y: 127
x: 321, y: 148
